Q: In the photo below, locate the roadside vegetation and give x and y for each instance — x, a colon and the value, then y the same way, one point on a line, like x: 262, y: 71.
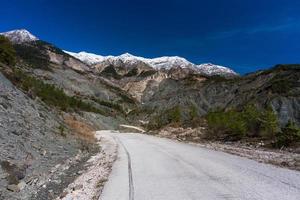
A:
x: 248, y: 124
x: 169, y: 116
x: 252, y: 123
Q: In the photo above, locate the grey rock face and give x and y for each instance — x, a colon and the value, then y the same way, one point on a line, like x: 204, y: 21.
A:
x: 287, y: 109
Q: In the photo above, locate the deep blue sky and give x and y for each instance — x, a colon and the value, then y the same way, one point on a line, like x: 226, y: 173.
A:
x: 245, y: 35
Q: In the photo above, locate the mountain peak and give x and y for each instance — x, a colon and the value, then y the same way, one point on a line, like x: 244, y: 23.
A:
x: 19, y: 36
x: 88, y: 58
x: 125, y: 55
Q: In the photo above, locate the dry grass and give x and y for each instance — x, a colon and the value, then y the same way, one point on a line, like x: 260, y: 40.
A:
x: 81, y: 129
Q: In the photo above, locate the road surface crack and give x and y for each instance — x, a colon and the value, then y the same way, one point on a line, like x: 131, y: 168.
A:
x: 130, y: 179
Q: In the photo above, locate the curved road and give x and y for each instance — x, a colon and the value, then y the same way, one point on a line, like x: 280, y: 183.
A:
x: 151, y: 168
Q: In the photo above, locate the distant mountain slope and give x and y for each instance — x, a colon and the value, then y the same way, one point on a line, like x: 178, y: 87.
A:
x: 278, y: 87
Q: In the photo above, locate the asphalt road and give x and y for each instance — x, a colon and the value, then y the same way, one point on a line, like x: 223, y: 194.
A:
x: 151, y: 168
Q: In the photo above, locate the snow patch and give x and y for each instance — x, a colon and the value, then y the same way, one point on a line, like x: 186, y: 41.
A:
x: 19, y: 36
x: 88, y: 58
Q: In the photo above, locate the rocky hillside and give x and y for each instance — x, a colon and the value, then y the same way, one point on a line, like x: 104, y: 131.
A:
x: 117, y: 84
x: 134, y: 74
x: 48, y: 63
x: 50, y: 103
x: 278, y: 87
x: 126, y: 80
x: 32, y: 142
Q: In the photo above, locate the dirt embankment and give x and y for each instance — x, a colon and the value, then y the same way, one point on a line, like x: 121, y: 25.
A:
x: 84, y: 177
x: 65, y: 172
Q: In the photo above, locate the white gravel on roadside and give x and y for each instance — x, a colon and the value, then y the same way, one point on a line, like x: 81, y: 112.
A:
x: 90, y: 183
x: 270, y: 156
x: 256, y: 152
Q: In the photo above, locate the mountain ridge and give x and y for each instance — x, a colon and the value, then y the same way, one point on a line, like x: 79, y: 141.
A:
x: 20, y: 36
x: 159, y: 63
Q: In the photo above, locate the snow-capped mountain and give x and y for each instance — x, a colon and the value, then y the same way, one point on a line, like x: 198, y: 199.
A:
x: 211, y: 69
x: 19, y: 36
x: 88, y: 58
x: 165, y: 62
x: 126, y: 59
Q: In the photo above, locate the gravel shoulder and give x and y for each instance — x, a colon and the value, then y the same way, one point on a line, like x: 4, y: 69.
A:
x: 275, y: 157
x: 282, y: 158
x: 90, y: 183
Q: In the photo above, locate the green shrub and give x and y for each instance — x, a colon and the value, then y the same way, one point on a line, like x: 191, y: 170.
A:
x: 7, y: 52
x: 251, y: 116
x: 229, y: 123
x: 236, y: 124
x: 193, y: 112
x: 247, y: 122
x: 269, y: 123
x: 61, y: 130
x: 169, y: 116
x: 174, y: 114
x: 288, y: 135
x: 156, y: 123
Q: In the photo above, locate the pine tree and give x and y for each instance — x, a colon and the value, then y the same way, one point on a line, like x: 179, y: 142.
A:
x: 251, y: 117
x: 269, y: 123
